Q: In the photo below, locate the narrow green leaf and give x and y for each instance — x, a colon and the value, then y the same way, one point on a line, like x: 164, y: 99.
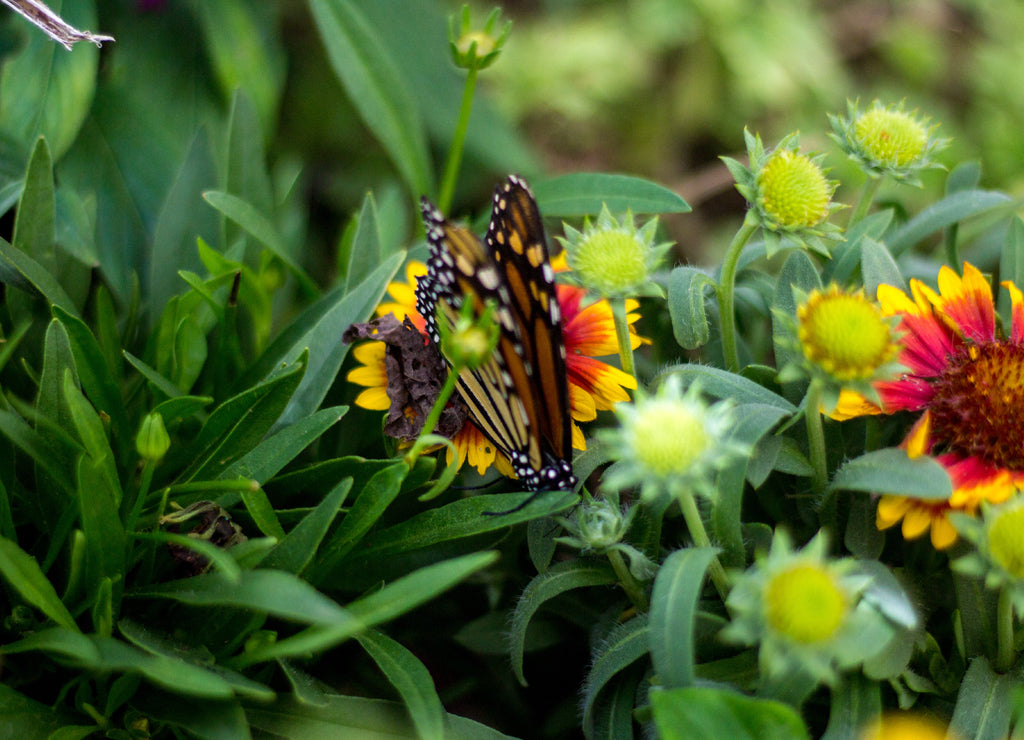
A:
x: 365, y: 250
x: 624, y: 645
x: 260, y: 227
x: 158, y: 381
x: 798, y: 271
x: 1011, y: 262
x: 890, y: 471
x: 370, y: 504
x: 376, y: 88
x: 723, y: 384
x: 983, y: 707
x: 556, y: 580
x: 354, y: 717
x: 856, y: 702
x: 262, y: 513
x: 297, y: 548
x: 267, y: 458
x: 410, y: 678
x: 218, y: 557
x: 21, y: 271
x: 844, y: 266
x: 97, y: 379
x: 268, y: 591
x: 45, y: 453
x: 35, y: 224
x: 878, y: 267
x: 686, y: 306
x: 612, y: 711
x: 583, y: 193
x: 238, y: 424
x: 952, y: 209
x: 90, y: 432
x: 673, y: 616
x: 394, y: 599
x: 22, y: 572
x: 247, y: 170
x: 712, y: 714
x: 104, y: 533
x: 57, y: 359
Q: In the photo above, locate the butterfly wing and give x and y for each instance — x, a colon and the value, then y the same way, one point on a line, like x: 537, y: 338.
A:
x: 507, y: 399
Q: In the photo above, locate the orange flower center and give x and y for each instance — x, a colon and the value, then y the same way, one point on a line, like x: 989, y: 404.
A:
x: 977, y: 402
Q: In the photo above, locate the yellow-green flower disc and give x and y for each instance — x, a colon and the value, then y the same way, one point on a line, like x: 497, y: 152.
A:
x: 794, y: 191
x: 845, y: 334
x: 1006, y: 540
x: 484, y: 43
x: 805, y: 603
x: 611, y: 261
x: 891, y: 137
x: 667, y: 436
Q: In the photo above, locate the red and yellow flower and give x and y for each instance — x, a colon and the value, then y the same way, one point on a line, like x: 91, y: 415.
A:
x: 967, y: 380
x: 588, y: 332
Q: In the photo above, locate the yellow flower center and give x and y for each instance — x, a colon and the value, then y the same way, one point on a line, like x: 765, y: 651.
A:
x: 977, y: 401
x: 794, y: 191
x: 844, y: 334
x: 611, y: 261
x: 891, y: 137
x: 484, y: 43
x: 667, y: 436
x: 905, y: 726
x: 804, y: 603
x: 1006, y: 540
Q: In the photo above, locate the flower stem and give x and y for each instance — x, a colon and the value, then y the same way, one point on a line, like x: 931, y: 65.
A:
x: 629, y: 584
x: 622, y: 334
x: 695, y: 525
x: 451, y: 167
x: 816, y: 436
x: 866, y: 198
x: 1004, y: 631
x: 432, y: 418
x: 726, y: 296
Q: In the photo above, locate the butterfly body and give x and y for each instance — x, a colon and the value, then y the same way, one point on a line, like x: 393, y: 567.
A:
x: 520, y: 398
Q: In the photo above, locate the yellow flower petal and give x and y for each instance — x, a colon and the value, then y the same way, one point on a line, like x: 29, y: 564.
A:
x: 890, y: 510
x: 943, y: 533
x: 918, y: 442
x: 375, y: 399
x: 916, y: 522
x: 852, y: 405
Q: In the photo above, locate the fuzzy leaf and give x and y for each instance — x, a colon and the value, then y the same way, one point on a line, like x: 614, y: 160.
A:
x: 878, y: 267
x: 952, y: 209
x: 711, y: 714
x: 723, y: 384
x: 686, y: 306
x: 890, y: 471
x: 983, y: 707
x: 583, y: 193
x: 624, y: 645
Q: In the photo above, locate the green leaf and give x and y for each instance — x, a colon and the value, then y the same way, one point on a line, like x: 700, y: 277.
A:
x: 21, y: 271
x: 583, y: 193
x: 370, y: 504
x: 180, y: 222
x: 158, y: 381
x: 198, y: 718
x: 983, y: 707
x: 846, y: 255
x: 247, y: 170
x: 22, y: 572
x: 946, y: 212
x: 798, y: 271
x: 97, y: 379
x: 1011, y: 261
x: 723, y: 384
x: 355, y: 717
x: 57, y: 360
x: 35, y: 224
x: 318, y: 330
x: 27, y: 719
x: 260, y: 227
x: 686, y: 306
x: 624, y: 645
x: 296, y: 549
x: 218, y: 557
x: 365, y: 251
x: 238, y: 424
x: 890, y: 471
x: 90, y: 432
x: 856, y: 701
x: 673, y: 615
x: 395, y: 598
x: 104, y: 533
x: 878, y: 267
x: 246, y: 54
x: 555, y: 581
x: 48, y: 90
x: 376, y: 88
x: 266, y: 591
x: 44, y: 452
x: 267, y: 458
x: 712, y: 714
x: 262, y: 512
x: 410, y: 678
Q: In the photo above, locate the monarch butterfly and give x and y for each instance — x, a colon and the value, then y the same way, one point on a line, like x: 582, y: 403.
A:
x: 520, y: 398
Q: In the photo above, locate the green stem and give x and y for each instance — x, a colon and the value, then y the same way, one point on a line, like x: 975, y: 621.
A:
x: 622, y: 334
x: 432, y: 418
x: 727, y: 298
x: 140, y: 496
x: 952, y: 247
x: 866, y: 198
x: 237, y: 484
x: 695, y: 525
x: 451, y: 168
x: 816, y: 436
x: 629, y: 584
x: 1004, y: 630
